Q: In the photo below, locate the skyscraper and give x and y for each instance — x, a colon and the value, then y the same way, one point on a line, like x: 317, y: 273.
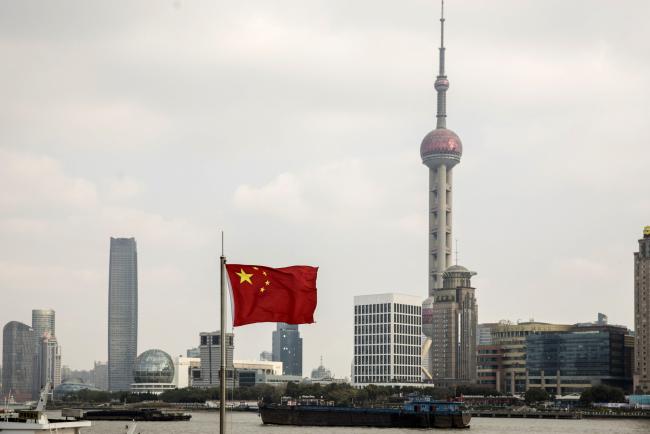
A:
x: 47, y: 366
x: 47, y: 354
x: 642, y: 315
x: 451, y: 328
x: 17, y: 360
x: 287, y: 348
x: 210, y: 354
x: 451, y: 306
x: 122, y: 313
x: 43, y: 321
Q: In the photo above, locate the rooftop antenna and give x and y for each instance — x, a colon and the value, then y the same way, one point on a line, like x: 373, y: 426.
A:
x: 456, y: 251
x: 442, y: 84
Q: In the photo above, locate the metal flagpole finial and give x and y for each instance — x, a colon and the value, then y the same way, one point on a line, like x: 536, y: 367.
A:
x: 222, y: 244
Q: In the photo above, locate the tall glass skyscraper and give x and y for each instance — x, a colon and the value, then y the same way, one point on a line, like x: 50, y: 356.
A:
x: 287, y: 348
x: 43, y: 321
x: 122, y: 313
x: 47, y: 353
x: 17, y: 360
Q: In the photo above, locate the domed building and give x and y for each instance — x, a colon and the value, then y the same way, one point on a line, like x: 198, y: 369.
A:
x: 153, y: 372
x: 70, y: 387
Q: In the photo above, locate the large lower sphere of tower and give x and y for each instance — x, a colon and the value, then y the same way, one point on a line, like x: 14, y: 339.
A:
x: 441, y: 150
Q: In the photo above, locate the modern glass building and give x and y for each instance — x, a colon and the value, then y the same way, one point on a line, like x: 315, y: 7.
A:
x: 153, y: 372
x: 571, y: 362
x: 47, y: 363
x: 122, y: 313
x: 153, y: 366
x: 18, y: 352
x: 43, y: 321
x: 287, y: 348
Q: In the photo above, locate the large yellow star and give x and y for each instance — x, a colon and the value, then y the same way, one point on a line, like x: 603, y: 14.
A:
x: 244, y: 277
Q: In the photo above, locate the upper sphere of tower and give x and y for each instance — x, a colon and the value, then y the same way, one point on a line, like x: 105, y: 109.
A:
x: 441, y: 143
x: 441, y: 84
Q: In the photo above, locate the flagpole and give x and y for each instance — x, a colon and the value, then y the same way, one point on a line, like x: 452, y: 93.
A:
x: 222, y: 371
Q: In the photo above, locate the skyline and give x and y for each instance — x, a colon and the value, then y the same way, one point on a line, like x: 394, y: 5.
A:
x: 144, y: 130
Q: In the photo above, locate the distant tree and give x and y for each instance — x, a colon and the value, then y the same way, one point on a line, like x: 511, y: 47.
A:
x: 602, y: 393
x: 535, y: 395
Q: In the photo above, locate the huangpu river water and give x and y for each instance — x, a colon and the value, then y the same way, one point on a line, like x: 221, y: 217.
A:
x: 248, y: 423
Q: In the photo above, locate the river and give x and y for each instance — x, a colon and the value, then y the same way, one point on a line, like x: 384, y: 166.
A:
x: 248, y: 423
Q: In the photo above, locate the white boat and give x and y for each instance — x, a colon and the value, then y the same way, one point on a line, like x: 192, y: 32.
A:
x: 33, y: 421
x: 36, y: 421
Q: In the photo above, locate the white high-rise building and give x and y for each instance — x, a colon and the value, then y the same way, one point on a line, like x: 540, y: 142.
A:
x: 387, y: 339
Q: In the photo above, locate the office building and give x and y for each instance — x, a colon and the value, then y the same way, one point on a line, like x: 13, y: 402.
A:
x: 387, y: 339
x: 184, y: 369
x: 508, y: 367
x: 43, y: 321
x: 47, y: 354
x: 17, y: 361
x: 47, y: 364
x: 287, y: 348
x: 99, y: 375
x: 642, y: 315
x: 571, y: 362
x: 122, y: 313
x: 252, y: 372
x: 450, y: 322
x: 210, y: 354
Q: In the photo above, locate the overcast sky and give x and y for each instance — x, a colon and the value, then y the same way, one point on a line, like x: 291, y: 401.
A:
x: 295, y: 126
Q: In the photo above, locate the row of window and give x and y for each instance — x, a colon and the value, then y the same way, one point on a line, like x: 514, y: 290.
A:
x: 387, y: 308
x: 371, y: 329
x: 372, y: 339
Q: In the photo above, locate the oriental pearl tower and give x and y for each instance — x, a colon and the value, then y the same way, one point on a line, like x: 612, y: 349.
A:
x: 448, y: 314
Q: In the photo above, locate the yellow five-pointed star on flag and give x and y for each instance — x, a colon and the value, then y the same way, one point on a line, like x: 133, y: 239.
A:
x: 244, y: 277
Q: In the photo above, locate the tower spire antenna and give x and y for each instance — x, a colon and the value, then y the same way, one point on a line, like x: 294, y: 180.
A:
x: 442, y: 84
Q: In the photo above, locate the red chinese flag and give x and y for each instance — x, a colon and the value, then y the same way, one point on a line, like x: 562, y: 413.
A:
x: 265, y: 294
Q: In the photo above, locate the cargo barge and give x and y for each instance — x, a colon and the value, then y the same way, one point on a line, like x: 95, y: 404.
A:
x: 415, y: 413
x: 140, y: 414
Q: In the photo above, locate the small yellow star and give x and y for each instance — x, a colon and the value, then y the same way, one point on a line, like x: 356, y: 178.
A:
x: 255, y: 268
x: 262, y: 289
x: 264, y: 273
x: 244, y: 277
x: 267, y: 283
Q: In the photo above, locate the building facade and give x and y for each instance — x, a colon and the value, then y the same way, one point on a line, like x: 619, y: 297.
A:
x: 210, y: 354
x: 387, y: 339
x: 642, y: 315
x: 450, y: 321
x: 100, y: 375
x: 47, y: 364
x: 18, y: 351
x: 287, y: 348
x: 122, y: 313
x: 509, y: 342
x: 183, y: 370
x: 47, y: 353
x: 566, y: 363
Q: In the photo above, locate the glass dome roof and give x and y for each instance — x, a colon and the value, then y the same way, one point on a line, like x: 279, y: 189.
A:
x: 153, y: 366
